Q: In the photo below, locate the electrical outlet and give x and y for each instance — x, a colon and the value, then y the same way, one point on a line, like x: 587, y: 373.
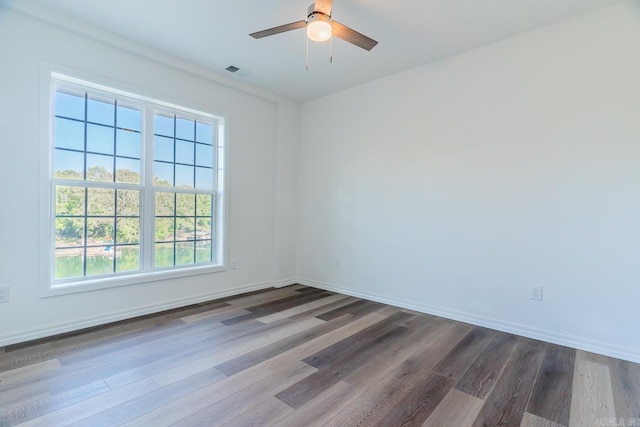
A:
x: 536, y: 293
x: 338, y: 263
x: 4, y: 294
x: 234, y: 263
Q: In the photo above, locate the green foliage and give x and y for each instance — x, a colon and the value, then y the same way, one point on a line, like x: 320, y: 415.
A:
x: 90, y: 216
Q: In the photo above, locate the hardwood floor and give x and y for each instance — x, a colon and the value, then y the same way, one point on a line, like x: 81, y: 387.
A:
x: 299, y: 356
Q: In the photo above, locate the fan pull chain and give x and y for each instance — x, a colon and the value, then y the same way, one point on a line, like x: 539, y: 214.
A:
x: 331, y: 47
x: 307, y: 64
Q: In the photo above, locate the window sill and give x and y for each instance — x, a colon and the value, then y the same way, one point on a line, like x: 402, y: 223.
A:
x: 55, y: 289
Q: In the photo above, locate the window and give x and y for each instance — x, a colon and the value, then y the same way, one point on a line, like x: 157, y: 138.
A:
x: 136, y: 188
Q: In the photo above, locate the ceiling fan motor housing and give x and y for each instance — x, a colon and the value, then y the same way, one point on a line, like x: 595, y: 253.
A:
x: 318, y: 25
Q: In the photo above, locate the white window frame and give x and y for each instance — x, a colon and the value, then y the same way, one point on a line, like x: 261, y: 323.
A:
x: 50, y: 80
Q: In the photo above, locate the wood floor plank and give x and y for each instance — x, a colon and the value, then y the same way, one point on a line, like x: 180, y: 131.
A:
x: 278, y: 315
x: 337, y: 361
x: 434, y: 349
x: 454, y: 364
x: 530, y: 420
x: 188, y: 404
x: 94, y: 405
x: 551, y: 396
x: 372, y: 405
x: 216, y: 315
x: 356, y: 308
x: 592, y: 396
x: 392, y: 356
x: 258, y: 355
x: 456, y: 409
x: 300, y: 356
x: 625, y: 381
x: 263, y: 309
x: 348, y: 347
x: 419, y: 403
x: 506, y: 404
x: 269, y: 412
x: 41, y: 406
x: 307, y: 389
x: 324, y: 309
x: 183, y: 407
x: 246, y: 300
x: 239, y: 349
x: 233, y: 405
x: 140, y: 405
x: 483, y: 373
x: 320, y: 410
x: 26, y: 373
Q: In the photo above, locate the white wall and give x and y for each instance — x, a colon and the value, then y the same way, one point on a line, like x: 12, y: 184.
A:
x: 260, y: 129
x: 453, y: 187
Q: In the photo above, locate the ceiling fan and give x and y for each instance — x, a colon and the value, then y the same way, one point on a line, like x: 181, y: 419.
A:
x: 321, y: 27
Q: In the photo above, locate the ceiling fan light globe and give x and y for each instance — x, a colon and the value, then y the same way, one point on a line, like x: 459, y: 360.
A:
x: 319, y: 27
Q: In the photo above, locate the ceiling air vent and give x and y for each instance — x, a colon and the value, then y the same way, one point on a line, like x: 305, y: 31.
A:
x: 232, y: 68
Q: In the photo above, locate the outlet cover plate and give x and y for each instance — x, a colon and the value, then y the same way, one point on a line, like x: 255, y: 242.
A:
x: 536, y: 293
x: 4, y: 294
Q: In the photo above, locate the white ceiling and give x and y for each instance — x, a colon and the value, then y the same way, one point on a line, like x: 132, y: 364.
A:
x: 214, y: 34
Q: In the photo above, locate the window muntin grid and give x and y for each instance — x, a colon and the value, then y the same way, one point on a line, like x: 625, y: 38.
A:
x: 98, y: 144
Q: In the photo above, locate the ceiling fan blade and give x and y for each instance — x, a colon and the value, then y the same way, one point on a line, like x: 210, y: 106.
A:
x: 352, y: 36
x: 323, y: 6
x: 279, y: 29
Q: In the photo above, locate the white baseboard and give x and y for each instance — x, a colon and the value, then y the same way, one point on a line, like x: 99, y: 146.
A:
x: 285, y: 282
x: 28, y: 335
x: 496, y: 324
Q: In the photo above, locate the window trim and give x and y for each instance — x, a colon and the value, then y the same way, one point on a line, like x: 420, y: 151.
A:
x: 50, y: 77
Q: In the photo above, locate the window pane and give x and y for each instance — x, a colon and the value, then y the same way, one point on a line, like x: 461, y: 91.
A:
x: 128, y: 258
x: 185, y: 204
x: 185, y: 229
x: 203, y: 251
x: 165, y: 203
x: 68, y: 164
x: 163, y: 125
x: 69, y: 201
x: 204, y: 133
x: 69, y: 105
x: 184, y: 152
x: 204, y: 179
x: 128, y: 203
x: 100, y: 139
x: 163, y: 174
x: 101, y: 201
x: 68, y: 134
x: 99, y: 168
x: 127, y: 170
x: 204, y: 155
x: 99, y: 260
x: 164, y: 230
x: 163, y: 148
x: 127, y: 230
x: 184, y: 176
x: 128, y: 118
x: 185, y: 129
x: 100, y: 232
x: 68, y: 263
x: 203, y: 205
x: 98, y: 227
x: 203, y: 228
x: 128, y: 143
x: 69, y: 232
x: 163, y: 256
x: 185, y: 253
x: 100, y: 111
